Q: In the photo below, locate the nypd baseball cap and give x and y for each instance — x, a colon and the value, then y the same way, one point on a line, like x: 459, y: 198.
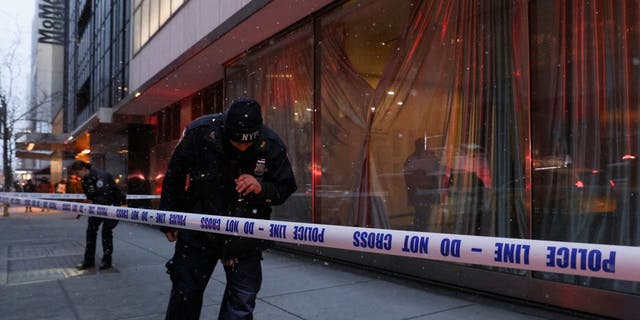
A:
x: 243, y: 120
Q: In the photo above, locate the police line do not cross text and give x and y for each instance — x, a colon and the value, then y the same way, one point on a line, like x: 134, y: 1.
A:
x: 605, y: 261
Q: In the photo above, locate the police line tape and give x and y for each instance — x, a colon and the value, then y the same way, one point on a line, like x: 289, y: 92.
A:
x: 584, y: 259
x: 71, y: 196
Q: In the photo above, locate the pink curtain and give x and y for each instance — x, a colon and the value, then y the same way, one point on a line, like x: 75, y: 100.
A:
x: 584, y: 107
x: 457, y: 73
x: 585, y: 80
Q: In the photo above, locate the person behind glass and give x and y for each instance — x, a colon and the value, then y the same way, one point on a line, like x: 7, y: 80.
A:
x: 99, y: 188
x: 422, y: 178
x: 236, y: 166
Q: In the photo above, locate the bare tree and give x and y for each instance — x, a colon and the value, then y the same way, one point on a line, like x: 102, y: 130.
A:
x: 9, y: 72
x: 6, y: 155
x: 13, y: 109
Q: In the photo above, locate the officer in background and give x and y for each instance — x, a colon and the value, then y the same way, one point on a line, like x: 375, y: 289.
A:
x: 99, y: 188
x: 138, y: 185
x: 236, y: 166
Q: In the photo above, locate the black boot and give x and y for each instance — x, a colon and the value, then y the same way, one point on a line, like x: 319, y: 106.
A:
x: 106, y: 263
x: 85, y: 265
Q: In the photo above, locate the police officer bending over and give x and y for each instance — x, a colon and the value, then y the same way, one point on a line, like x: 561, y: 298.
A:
x: 99, y: 188
x: 237, y: 167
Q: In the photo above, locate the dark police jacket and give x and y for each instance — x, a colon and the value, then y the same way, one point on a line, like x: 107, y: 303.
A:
x: 211, y: 164
x: 100, y: 188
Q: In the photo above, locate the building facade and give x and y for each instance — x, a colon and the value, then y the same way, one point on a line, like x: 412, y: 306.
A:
x: 87, y: 48
x: 510, y: 119
x: 45, y: 93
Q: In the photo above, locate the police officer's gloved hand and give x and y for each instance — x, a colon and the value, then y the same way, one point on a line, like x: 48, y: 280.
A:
x: 171, y: 234
x: 230, y: 262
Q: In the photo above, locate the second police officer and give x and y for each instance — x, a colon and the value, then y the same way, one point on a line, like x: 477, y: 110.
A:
x: 99, y: 188
x: 235, y: 166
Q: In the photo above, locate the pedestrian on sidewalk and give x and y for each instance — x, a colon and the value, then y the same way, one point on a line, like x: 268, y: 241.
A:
x: 29, y: 187
x: 74, y: 185
x: 99, y: 188
x: 237, y: 167
x: 44, y: 187
x: 60, y: 186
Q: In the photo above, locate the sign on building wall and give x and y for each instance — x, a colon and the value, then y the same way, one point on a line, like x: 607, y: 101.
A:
x: 51, y: 23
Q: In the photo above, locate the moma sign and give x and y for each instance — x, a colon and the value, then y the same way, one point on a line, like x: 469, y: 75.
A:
x: 52, y: 22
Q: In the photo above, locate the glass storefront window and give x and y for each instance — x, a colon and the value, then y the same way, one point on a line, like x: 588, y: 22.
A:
x: 280, y: 77
x: 511, y: 119
x: 357, y: 43
x: 585, y: 74
x: 422, y: 106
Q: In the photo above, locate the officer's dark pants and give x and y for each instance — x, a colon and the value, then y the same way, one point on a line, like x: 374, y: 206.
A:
x: 107, y: 239
x: 190, y: 270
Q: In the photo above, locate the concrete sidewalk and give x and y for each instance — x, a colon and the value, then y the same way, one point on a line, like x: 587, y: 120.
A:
x: 38, y: 252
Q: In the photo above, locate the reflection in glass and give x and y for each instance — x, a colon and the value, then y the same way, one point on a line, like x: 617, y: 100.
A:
x: 423, y: 175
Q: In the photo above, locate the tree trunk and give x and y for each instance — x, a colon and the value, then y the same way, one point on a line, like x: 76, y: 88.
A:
x: 6, y: 139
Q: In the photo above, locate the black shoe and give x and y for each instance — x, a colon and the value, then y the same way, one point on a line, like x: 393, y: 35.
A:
x: 85, y: 265
x: 104, y: 266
